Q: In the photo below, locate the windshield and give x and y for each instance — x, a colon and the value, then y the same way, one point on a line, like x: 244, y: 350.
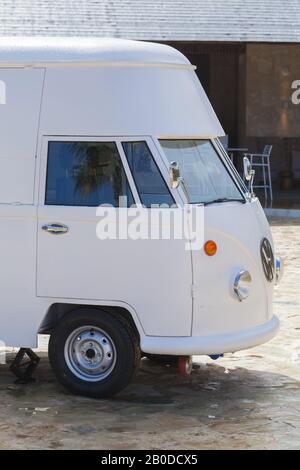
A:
x: 205, y: 175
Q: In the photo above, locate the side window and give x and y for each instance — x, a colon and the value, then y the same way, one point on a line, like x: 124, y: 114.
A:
x: 85, y: 174
x: 150, y: 184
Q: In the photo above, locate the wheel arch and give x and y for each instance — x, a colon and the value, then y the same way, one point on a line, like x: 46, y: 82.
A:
x: 58, y: 310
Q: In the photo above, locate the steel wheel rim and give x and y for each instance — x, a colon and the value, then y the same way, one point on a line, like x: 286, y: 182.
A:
x: 90, y: 353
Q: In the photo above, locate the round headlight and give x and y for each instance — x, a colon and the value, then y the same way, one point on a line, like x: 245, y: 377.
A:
x: 242, y: 284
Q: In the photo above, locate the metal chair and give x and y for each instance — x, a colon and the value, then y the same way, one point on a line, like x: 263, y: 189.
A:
x: 262, y: 160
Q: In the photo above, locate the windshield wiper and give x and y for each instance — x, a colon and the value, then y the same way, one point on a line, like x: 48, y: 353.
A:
x: 223, y: 199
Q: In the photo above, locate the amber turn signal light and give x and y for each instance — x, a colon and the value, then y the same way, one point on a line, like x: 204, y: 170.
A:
x: 210, y: 248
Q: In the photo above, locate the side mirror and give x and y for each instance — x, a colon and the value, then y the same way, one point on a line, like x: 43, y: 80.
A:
x: 247, y: 169
x: 176, y: 179
x: 174, y: 173
x: 248, y: 173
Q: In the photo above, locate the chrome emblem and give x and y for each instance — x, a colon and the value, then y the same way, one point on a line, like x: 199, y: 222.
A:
x: 267, y: 259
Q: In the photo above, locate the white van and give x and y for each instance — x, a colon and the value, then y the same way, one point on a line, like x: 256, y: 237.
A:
x: 84, y: 122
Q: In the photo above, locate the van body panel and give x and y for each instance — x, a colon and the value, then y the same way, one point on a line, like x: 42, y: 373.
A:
x: 212, y: 344
x: 79, y: 265
x: 64, y: 51
x: 18, y: 224
x: 78, y: 101
x: 19, y: 118
x: 216, y: 307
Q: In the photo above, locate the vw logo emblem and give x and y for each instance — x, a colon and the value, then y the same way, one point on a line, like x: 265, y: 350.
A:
x: 267, y: 259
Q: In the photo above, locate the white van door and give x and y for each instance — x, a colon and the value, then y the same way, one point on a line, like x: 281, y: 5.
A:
x: 152, y: 276
x: 20, y: 102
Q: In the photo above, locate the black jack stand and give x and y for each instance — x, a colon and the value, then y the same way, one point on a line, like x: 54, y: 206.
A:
x: 23, y: 370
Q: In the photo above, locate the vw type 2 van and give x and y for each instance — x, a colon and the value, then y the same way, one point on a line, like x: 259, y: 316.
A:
x: 91, y: 122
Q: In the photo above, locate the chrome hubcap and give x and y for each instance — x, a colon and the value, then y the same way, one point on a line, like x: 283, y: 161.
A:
x: 90, y: 353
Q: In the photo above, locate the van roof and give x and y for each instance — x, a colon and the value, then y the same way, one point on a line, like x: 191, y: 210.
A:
x: 34, y: 51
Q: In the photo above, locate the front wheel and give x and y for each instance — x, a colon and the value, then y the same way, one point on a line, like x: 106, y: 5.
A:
x: 93, y: 353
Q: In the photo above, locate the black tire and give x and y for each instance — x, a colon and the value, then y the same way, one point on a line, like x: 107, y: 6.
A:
x: 162, y: 358
x: 126, y: 352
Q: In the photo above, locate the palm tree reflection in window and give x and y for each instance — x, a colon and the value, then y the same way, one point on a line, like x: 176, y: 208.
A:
x: 98, y: 175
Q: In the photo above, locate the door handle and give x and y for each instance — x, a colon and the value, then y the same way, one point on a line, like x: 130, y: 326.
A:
x: 55, y: 229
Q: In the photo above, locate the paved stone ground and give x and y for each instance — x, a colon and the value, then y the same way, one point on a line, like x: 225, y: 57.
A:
x: 247, y: 400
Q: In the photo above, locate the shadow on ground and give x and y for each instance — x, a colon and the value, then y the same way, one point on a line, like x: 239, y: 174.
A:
x: 215, y: 407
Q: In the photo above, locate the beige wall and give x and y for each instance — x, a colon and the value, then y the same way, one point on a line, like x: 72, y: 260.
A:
x: 270, y: 71
x: 249, y: 86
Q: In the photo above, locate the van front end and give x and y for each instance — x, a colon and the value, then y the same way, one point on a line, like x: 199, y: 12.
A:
x: 232, y: 290
x: 232, y: 286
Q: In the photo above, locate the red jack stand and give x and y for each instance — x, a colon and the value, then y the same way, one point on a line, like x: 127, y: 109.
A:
x: 185, y: 365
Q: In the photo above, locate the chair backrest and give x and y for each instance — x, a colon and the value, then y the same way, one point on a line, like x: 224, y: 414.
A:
x: 267, y: 150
